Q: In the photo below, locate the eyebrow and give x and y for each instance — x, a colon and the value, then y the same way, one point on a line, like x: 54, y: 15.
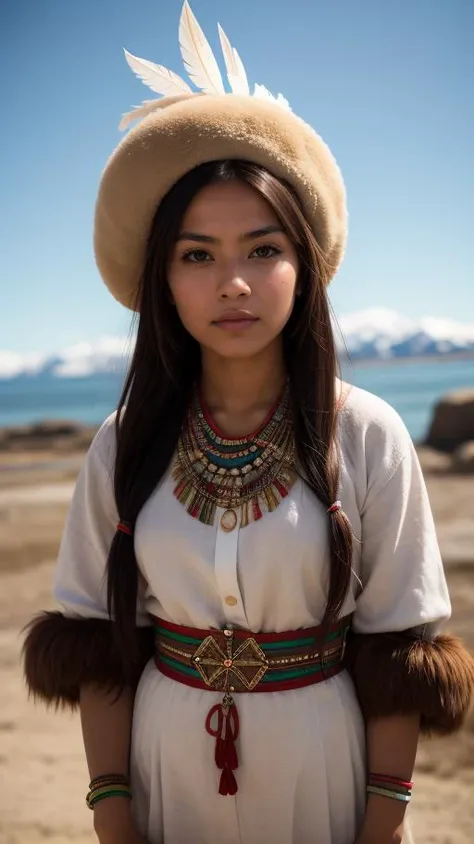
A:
x: 205, y: 238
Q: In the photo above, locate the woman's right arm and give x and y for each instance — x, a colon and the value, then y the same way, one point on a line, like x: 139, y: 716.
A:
x: 106, y: 726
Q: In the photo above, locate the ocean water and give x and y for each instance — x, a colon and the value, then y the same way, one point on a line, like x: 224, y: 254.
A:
x: 411, y: 387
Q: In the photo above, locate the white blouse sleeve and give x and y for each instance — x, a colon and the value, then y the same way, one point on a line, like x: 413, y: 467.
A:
x: 403, y: 581
x: 80, y: 581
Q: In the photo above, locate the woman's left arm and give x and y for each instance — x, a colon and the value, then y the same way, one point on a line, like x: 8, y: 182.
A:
x: 409, y: 676
x: 391, y: 749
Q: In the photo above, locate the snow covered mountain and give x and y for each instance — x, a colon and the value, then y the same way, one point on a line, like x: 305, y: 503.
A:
x: 384, y: 335
x: 375, y: 334
x: 105, y: 355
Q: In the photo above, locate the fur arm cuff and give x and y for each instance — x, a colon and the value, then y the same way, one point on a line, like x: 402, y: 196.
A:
x: 61, y: 653
x: 400, y: 673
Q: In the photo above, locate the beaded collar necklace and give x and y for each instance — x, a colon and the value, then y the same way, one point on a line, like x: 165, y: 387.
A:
x: 252, y: 473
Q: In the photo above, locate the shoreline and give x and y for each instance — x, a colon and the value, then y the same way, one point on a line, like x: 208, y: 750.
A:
x: 352, y: 371
x: 364, y: 363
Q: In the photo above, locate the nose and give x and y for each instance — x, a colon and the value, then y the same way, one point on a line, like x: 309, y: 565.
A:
x: 232, y: 285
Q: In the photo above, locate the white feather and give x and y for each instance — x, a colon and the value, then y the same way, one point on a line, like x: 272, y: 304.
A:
x: 198, y: 58
x: 241, y: 69
x: 235, y: 70
x: 281, y: 100
x: 158, y: 78
x: 262, y: 93
x: 147, y: 107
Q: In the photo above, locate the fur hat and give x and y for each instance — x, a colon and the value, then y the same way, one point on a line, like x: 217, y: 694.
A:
x: 186, y: 129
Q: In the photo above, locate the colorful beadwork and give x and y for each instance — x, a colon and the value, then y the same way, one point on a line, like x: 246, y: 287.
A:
x: 232, y: 661
x: 253, y: 473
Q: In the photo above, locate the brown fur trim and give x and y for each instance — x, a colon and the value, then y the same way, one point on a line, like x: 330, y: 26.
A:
x: 60, y: 654
x: 401, y: 673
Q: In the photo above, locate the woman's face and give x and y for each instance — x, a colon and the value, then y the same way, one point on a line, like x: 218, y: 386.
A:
x: 233, y: 271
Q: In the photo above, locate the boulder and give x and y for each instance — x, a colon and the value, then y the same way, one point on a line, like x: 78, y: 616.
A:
x: 452, y: 424
x: 50, y: 434
x: 50, y: 428
x: 434, y: 462
x: 463, y: 459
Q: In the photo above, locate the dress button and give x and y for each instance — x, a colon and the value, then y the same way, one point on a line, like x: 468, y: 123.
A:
x: 231, y: 601
x: 228, y: 520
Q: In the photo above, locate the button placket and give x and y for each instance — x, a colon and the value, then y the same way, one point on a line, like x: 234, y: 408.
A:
x: 225, y: 561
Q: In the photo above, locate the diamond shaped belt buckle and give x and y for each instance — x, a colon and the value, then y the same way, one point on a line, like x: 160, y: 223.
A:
x: 239, y: 671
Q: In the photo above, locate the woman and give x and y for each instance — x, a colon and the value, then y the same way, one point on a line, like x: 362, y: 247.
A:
x: 244, y: 516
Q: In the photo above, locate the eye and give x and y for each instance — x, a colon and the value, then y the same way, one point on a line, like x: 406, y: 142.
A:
x: 196, y: 256
x: 266, y: 251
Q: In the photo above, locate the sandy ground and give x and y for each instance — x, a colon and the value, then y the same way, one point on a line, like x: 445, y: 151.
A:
x: 43, y: 771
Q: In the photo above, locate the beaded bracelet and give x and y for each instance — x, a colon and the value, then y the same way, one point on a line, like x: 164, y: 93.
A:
x: 119, y: 778
x: 385, y: 792
x: 108, y: 785
x: 392, y: 780
x: 388, y: 786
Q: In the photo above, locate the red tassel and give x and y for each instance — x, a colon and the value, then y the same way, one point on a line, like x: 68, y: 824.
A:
x: 228, y: 783
x: 220, y: 753
x: 226, y: 733
x: 230, y: 754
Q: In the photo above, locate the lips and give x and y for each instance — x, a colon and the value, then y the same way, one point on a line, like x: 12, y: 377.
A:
x: 236, y: 319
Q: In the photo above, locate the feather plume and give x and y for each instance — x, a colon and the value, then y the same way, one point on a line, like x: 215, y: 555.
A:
x: 147, y: 107
x: 198, y: 58
x: 158, y: 78
x: 235, y: 70
x: 262, y: 93
x: 241, y: 69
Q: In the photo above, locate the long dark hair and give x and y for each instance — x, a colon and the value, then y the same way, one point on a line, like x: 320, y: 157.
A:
x: 166, y: 364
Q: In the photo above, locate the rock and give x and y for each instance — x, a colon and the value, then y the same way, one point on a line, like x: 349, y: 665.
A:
x: 55, y: 428
x: 60, y: 435
x: 432, y: 461
x: 452, y: 424
x: 463, y: 459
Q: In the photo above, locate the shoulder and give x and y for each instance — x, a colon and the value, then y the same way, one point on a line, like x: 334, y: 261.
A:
x: 94, y: 489
x: 371, y: 429
x: 103, y: 448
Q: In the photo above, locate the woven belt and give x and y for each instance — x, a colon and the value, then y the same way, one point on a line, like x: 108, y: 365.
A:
x: 232, y: 661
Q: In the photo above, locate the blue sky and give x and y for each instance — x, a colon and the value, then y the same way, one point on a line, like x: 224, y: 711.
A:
x: 387, y: 84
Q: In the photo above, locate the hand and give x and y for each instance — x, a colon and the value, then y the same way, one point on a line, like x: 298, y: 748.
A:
x: 127, y: 835
x: 130, y: 836
x: 368, y: 835
x: 383, y: 821
x: 113, y: 823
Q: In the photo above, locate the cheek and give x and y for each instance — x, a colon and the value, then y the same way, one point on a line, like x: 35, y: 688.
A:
x: 280, y: 286
x: 190, y: 299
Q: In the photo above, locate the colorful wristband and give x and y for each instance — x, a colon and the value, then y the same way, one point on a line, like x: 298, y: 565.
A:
x: 392, y: 780
x: 108, y: 785
x: 386, y: 792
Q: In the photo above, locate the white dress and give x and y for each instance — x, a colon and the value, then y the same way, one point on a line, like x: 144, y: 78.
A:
x: 301, y: 775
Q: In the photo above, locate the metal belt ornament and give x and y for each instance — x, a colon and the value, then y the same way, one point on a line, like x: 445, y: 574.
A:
x: 234, y: 661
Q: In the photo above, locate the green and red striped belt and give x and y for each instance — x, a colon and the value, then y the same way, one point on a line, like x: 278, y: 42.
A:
x: 231, y: 661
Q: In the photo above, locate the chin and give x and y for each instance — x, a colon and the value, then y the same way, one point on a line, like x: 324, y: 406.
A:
x: 238, y: 349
